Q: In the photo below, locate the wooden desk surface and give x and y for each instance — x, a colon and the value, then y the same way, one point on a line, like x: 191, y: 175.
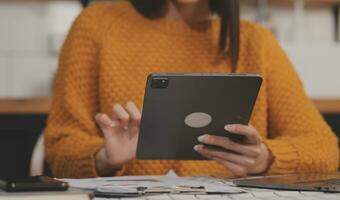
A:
x: 328, y: 105
x: 42, y: 106
x: 25, y: 106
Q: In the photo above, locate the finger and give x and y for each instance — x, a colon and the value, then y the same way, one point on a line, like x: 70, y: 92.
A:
x: 244, y: 161
x: 235, y: 169
x: 105, y: 123
x: 227, y: 144
x: 198, y: 148
x: 114, y: 115
x: 104, y: 120
x: 249, y: 131
x: 122, y: 115
x: 135, y: 115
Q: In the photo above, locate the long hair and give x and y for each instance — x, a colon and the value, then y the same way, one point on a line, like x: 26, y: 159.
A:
x: 228, y: 10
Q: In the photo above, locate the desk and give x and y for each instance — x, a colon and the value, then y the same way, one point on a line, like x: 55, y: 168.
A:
x: 254, y: 194
x: 248, y: 193
x: 210, y: 183
x: 72, y: 194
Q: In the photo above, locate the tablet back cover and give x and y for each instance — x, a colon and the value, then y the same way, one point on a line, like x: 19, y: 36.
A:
x: 190, y: 105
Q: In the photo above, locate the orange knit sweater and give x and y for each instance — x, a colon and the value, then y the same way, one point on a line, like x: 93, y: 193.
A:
x: 106, y: 58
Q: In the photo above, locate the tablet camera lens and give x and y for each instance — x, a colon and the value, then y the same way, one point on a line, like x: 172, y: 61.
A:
x: 159, y: 82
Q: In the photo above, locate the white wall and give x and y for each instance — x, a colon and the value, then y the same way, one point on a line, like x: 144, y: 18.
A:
x: 3, y: 78
x: 318, y: 66
x: 309, y: 41
x: 32, y: 32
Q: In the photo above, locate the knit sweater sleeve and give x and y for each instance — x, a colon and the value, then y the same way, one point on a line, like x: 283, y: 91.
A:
x: 72, y: 137
x: 299, y: 138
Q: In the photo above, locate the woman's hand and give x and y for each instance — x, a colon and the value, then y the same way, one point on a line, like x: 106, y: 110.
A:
x: 252, y: 157
x: 120, y: 132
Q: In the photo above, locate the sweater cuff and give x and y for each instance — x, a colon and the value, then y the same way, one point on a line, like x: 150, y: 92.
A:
x: 121, y: 171
x: 87, y: 164
x: 285, y: 156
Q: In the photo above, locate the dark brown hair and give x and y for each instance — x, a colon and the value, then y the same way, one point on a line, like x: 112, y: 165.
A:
x: 228, y: 10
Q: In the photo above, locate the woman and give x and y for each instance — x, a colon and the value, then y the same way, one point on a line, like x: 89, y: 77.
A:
x: 112, y: 47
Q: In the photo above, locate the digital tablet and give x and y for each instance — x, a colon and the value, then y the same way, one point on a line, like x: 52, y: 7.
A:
x: 178, y: 108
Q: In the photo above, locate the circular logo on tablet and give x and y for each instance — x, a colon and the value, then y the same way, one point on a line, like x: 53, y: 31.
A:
x: 198, y: 120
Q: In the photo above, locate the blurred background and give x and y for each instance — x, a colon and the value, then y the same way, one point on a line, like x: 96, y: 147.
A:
x: 32, y: 32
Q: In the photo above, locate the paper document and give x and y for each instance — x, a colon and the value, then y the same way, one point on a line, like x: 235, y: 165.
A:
x: 157, y: 184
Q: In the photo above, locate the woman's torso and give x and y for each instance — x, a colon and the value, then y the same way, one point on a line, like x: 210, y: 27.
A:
x: 132, y: 47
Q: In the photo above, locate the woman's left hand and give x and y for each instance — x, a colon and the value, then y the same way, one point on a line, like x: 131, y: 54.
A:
x: 249, y: 158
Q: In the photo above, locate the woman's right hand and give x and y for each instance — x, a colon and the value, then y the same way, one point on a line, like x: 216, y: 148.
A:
x: 120, y: 132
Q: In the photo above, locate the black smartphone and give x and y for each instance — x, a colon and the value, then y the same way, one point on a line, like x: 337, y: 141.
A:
x: 33, y: 183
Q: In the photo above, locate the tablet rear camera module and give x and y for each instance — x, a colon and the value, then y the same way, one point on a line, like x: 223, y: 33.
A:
x: 159, y: 83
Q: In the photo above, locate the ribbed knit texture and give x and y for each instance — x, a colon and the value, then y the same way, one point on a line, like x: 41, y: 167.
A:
x: 106, y: 58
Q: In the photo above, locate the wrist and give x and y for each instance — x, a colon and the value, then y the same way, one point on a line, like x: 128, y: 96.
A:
x: 103, y: 166
x: 264, y: 161
x: 270, y: 159
x: 267, y: 159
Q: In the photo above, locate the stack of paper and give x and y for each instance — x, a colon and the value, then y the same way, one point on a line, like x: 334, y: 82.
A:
x: 156, y: 185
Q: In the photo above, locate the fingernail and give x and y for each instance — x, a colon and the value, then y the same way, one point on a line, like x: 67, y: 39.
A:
x: 116, y: 106
x: 201, y: 138
x: 196, y: 148
x: 97, y: 116
x: 114, y: 124
x: 228, y: 127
